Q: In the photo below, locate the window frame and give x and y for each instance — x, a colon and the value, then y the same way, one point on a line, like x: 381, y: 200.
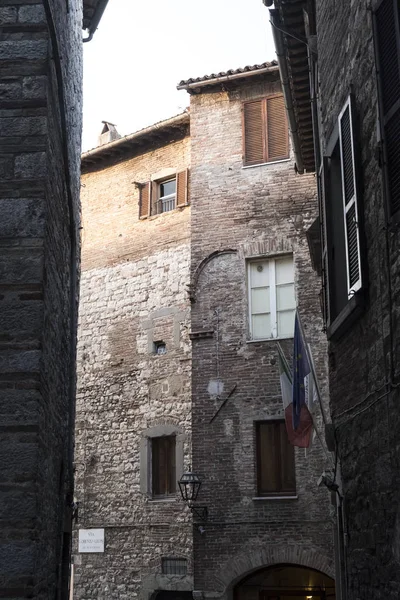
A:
x: 281, y: 492
x: 273, y: 287
x: 264, y: 117
x: 160, y: 198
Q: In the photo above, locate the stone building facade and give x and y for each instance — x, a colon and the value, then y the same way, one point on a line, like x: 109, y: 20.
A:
x: 40, y: 131
x: 355, y: 77
x: 243, y: 216
x: 181, y: 278
x: 134, y: 360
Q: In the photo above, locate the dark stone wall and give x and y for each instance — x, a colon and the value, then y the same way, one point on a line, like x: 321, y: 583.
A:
x: 258, y: 211
x: 38, y: 193
x: 364, y: 364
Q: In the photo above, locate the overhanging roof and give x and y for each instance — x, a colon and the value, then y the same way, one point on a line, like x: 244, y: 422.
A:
x: 92, y: 12
x: 160, y: 133
x: 224, y: 76
x: 289, y: 30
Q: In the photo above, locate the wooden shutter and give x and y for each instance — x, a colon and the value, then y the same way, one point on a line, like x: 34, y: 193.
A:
x: 277, y: 129
x: 387, y: 46
x: 287, y: 469
x: 163, y: 465
x: 323, y: 212
x: 145, y: 200
x: 254, y: 132
x: 182, y: 188
x: 349, y: 190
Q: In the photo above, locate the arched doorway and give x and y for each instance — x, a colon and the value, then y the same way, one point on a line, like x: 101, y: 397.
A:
x: 285, y: 582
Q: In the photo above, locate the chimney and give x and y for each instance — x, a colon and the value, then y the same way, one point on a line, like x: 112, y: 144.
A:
x: 108, y: 134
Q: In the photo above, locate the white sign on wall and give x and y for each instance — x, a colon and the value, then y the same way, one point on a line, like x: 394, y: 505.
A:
x: 91, y: 540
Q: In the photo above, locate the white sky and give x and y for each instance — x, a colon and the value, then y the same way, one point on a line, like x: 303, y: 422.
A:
x: 143, y: 48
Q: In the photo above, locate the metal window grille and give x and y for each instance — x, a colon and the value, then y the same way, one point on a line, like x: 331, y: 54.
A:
x: 174, y: 566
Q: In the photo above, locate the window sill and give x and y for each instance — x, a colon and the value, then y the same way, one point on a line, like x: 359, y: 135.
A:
x: 346, y: 317
x: 162, y: 500
x: 288, y: 337
x: 272, y: 162
x: 268, y: 498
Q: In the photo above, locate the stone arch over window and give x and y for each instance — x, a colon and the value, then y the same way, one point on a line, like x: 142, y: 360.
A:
x: 243, y: 564
x: 145, y: 440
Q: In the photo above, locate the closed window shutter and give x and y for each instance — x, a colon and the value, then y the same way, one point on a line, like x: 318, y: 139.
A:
x: 349, y: 188
x: 254, y: 132
x: 182, y: 188
x: 387, y: 44
x: 322, y: 190
x: 277, y: 130
x: 144, y: 201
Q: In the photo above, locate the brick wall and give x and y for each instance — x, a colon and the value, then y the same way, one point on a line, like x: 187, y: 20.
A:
x: 363, y: 405
x: 133, y: 293
x: 37, y: 196
x: 247, y: 212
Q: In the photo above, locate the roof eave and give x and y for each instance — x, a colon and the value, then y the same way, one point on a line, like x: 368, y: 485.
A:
x: 224, y: 78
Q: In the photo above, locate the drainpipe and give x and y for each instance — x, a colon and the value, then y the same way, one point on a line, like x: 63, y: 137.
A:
x: 98, y: 13
x: 287, y: 94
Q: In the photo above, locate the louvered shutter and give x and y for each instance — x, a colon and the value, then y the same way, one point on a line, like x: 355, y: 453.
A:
x: 349, y: 190
x: 277, y: 129
x: 182, y: 188
x: 322, y: 191
x: 145, y: 200
x: 387, y: 45
x: 254, y: 132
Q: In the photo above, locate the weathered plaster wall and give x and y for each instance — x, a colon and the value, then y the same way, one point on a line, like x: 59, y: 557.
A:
x: 133, y: 292
x: 363, y: 405
x: 37, y: 327
x: 260, y: 211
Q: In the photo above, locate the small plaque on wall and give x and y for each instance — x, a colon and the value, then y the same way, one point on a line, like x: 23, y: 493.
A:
x: 91, y: 540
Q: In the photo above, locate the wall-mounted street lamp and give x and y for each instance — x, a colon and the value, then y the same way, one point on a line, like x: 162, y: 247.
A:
x: 189, y: 485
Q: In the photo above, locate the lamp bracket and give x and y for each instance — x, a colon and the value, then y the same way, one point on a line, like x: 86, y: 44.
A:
x: 200, y: 512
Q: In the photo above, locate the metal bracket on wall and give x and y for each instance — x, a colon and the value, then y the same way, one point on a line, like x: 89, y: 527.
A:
x: 223, y: 403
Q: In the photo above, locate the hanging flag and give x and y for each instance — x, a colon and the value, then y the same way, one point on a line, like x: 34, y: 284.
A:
x: 302, y: 436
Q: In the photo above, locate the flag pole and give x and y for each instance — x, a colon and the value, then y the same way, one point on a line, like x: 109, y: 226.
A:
x: 312, y: 367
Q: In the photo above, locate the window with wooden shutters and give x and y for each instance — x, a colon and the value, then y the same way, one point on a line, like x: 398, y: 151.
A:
x: 349, y: 192
x: 322, y: 199
x: 265, y: 131
x: 163, y: 195
x: 163, y: 466
x: 275, y: 460
x: 387, y: 46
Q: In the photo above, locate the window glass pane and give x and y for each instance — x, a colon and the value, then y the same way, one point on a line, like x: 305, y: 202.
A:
x: 286, y: 323
x: 284, y: 270
x: 285, y: 297
x: 260, y: 300
x: 261, y: 326
x: 259, y: 274
x: 167, y: 187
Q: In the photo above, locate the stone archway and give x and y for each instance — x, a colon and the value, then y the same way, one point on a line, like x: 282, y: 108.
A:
x: 285, y: 582
x: 243, y: 564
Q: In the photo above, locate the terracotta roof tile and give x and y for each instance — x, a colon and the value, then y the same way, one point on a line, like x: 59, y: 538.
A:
x: 230, y: 72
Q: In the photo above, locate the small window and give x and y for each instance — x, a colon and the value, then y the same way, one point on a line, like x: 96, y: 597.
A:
x: 174, y: 566
x: 163, y: 466
x: 265, y: 131
x: 275, y: 460
x: 272, y: 301
x: 160, y: 347
x: 167, y: 195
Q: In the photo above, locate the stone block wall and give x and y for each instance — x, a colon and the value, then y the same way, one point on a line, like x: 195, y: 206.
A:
x: 240, y: 213
x: 364, y: 367
x: 134, y: 292
x: 40, y: 98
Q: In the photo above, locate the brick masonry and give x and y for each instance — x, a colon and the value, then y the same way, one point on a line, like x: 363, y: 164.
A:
x: 135, y: 277
x: 37, y: 327
x: 259, y: 211
x: 363, y: 405
x: 136, y: 282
